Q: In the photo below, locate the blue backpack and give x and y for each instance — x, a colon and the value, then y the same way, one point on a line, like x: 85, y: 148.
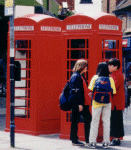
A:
x: 102, y: 91
x: 63, y: 102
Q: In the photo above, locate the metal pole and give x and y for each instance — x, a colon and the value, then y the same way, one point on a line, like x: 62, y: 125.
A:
x: 12, y: 82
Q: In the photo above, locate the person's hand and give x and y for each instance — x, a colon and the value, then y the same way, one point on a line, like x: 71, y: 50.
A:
x: 90, y: 94
x: 80, y: 107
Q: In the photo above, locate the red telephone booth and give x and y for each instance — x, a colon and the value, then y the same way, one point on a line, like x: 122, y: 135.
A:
x: 96, y: 38
x: 37, y: 48
x: 109, y: 39
x: 77, y: 36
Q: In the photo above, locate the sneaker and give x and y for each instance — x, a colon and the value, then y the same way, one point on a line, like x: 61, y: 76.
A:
x: 92, y: 145
x: 115, y: 142
x: 118, y: 142
x: 105, y: 145
x: 77, y: 143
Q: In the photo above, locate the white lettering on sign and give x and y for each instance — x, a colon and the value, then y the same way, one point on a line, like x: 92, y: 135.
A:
x: 8, y: 11
x: 78, y: 26
x: 124, y: 43
x: 48, y: 28
x: 108, y: 27
x: 24, y: 28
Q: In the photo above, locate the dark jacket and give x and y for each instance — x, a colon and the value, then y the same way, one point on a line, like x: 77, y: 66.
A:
x: 76, y: 90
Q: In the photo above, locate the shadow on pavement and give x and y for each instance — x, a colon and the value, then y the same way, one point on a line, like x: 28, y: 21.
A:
x: 21, y: 148
x: 124, y: 145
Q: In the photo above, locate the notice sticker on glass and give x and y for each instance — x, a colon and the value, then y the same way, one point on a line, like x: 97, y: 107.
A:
x: 11, y: 52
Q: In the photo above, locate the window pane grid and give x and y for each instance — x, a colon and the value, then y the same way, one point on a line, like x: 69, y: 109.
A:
x: 76, y: 49
x: 110, y: 49
x: 22, y: 88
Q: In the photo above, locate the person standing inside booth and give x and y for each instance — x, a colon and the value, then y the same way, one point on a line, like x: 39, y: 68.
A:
x: 118, y: 103
x: 102, y: 87
x: 80, y: 102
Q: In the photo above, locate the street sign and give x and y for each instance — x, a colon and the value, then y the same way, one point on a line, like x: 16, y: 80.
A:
x: 8, y: 7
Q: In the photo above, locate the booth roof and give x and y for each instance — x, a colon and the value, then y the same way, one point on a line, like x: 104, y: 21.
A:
x: 37, y: 17
x: 94, y: 15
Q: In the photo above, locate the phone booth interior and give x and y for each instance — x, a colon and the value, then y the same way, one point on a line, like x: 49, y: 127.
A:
x: 33, y: 101
x: 104, y: 43
x: 77, y: 38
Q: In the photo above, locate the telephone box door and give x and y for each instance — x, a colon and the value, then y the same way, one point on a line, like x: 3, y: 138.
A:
x: 76, y: 47
x: 109, y: 47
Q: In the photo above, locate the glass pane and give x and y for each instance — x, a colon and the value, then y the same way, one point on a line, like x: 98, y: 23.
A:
x: 77, y: 43
x: 29, y: 64
x: 21, y: 54
x: 28, y: 103
x: 71, y: 73
x: 72, y: 64
x: 77, y: 54
x: 102, y: 54
x: 21, y: 83
x: 110, y: 44
x: 67, y: 75
x: 23, y: 73
x: 20, y: 102
x: 29, y: 43
x: 87, y: 54
x: 67, y: 64
x: 102, y: 44
x: 20, y: 93
x: 110, y: 54
x: 23, y: 63
x: 67, y: 54
x: 87, y: 43
x: 29, y: 54
x: 67, y: 43
x: 20, y: 113
x: 28, y: 93
x: 118, y: 54
x: 21, y: 44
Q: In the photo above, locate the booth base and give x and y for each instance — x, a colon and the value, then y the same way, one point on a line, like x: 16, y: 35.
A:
x: 31, y: 132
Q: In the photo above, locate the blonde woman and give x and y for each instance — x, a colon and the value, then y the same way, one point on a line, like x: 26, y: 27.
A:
x: 80, y: 102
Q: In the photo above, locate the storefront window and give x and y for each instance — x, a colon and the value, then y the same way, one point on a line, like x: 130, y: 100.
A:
x: 86, y: 1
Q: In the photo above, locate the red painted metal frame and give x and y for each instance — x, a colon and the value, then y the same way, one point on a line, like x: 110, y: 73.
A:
x: 95, y: 36
x: 49, y: 40
x: 85, y: 34
x: 45, y: 76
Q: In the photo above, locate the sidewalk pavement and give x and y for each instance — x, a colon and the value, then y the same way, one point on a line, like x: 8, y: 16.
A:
x: 49, y: 142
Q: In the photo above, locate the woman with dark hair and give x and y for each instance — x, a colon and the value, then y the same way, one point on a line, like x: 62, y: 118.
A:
x: 80, y: 101
x: 101, y: 106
